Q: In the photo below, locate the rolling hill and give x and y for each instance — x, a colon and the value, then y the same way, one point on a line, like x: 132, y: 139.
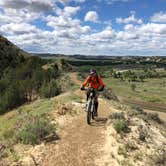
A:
x: 10, y: 54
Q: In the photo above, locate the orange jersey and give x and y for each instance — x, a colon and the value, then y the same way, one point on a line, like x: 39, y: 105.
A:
x: 93, y: 82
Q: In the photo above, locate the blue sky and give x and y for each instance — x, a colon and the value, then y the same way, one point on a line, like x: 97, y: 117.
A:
x: 90, y: 27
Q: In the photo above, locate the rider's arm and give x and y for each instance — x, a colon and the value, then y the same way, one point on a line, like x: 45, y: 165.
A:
x: 86, y: 81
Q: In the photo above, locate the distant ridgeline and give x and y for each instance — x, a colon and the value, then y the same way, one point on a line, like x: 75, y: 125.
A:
x: 22, y: 77
x: 125, y: 61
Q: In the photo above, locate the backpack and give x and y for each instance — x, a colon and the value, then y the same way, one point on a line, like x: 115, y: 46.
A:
x: 97, y: 78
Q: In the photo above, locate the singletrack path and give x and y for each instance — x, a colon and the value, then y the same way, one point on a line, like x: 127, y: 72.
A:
x: 79, y: 143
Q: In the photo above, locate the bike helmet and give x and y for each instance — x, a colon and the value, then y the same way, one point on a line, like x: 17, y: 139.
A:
x: 92, y: 71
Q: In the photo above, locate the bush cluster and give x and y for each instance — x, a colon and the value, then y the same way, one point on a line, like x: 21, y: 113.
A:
x: 25, y: 82
x: 132, y: 76
x: 121, y: 126
x: 34, y: 130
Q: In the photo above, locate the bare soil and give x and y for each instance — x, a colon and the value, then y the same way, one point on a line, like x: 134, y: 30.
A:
x: 79, y: 142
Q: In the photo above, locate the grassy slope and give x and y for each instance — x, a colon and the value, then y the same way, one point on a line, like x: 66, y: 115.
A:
x: 9, y: 120
x: 152, y: 90
x: 43, y: 106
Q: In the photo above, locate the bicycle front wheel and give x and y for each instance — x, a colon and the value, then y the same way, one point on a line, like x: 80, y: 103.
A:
x: 89, y: 112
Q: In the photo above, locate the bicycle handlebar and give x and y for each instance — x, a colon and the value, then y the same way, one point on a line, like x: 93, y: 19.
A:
x: 92, y: 89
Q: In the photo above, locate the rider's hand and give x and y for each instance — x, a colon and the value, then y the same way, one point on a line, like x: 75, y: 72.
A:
x: 82, y: 88
x: 101, y: 88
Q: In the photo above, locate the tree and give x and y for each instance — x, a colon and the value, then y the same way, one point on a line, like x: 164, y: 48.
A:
x: 50, y: 89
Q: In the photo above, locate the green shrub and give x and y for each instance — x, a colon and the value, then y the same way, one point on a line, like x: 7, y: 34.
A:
x: 139, y: 110
x: 117, y: 115
x: 143, y: 133
x: 136, y: 111
x: 11, y: 98
x: 121, y: 126
x: 50, y: 89
x: 35, y: 130
x: 154, y: 117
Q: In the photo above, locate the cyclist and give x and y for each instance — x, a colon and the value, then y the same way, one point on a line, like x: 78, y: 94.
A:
x: 93, y: 81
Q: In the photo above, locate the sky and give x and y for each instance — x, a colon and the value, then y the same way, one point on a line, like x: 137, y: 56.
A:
x: 86, y: 27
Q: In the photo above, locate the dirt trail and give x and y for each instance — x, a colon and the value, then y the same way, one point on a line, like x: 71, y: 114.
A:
x: 79, y: 143
x: 74, y: 78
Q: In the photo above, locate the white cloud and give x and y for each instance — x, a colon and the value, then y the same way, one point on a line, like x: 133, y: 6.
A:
x: 134, y: 39
x: 100, y: 37
x: 127, y: 36
x: 62, y: 22
x: 35, y: 5
x: 65, y: 26
x: 68, y: 34
x: 153, y: 29
x: 32, y: 5
x: 130, y: 19
x: 15, y: 4
x: 17, y: 16
x: 159, y: 17
x: 91, y: 16
x: 129, y: 27
x: 69, y: 11
x: 18, y: 29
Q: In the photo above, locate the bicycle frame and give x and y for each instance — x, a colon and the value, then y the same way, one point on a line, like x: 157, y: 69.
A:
x: 90, y: 106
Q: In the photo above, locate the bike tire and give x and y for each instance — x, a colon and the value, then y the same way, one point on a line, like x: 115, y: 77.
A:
x: 89, y: 112
x: 89, y: 117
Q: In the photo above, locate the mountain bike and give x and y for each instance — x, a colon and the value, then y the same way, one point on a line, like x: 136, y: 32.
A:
x: 90, y: 106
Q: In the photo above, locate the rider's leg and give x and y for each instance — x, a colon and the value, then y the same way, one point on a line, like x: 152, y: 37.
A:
x: 87, y: 94
x: 96, y: 104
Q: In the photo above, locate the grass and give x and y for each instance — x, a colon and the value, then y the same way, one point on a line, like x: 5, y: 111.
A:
x: 34, y: 129
x: 10, y: 119
x: 152, y: 90
x: 37, y: 108
x: 117, y: 115
x: 121, y: 126
x: 16, y: 126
